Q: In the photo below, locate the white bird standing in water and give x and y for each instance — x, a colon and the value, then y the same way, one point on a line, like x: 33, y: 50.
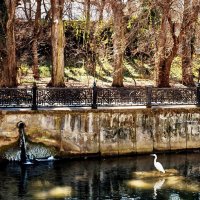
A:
x: 158, y: 165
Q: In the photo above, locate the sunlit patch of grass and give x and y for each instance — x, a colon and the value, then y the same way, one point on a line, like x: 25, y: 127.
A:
x: 129, y: 72
x: 79, y: 75
x: 75, y: 72
x: 104, y: 71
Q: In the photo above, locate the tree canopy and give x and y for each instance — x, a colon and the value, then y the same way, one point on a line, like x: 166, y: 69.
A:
x: 149, y: 35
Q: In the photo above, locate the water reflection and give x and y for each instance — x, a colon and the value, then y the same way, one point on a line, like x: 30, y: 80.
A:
x: 174, y: 182
x: 174, y: 196
x: 157, y: 186
x: 103, y: 179
x: 55, y: 192
x: 23, y: 182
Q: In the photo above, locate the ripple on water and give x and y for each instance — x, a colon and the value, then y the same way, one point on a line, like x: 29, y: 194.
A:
x: 33, y: 150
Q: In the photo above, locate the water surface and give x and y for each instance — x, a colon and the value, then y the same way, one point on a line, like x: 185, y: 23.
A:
x: 110, y: 178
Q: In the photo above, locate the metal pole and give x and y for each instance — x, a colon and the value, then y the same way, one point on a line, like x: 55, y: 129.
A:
x: 149, y: 96
x: 198, y: 94
x: 94, y: 96
x: 34, y: 100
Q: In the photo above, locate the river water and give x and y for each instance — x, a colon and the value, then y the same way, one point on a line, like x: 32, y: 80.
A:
x: 124, y: 178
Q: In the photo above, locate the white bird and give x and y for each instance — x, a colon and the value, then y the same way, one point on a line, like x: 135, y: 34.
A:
x: 158, y: 165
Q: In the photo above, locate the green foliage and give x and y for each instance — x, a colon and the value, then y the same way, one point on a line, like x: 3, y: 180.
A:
x: 24, y: 69
x: 77, y: 28
x: 45, y: 71
x: 154, y: 17
x: 79, y: 43
x: 176, y: 70
x: 103, y: 35
x: 131, y: 21
x: 151, y: 12
x: 141, y: 46
x: 196, y: 67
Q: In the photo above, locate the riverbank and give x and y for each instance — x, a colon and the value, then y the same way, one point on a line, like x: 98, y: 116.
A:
x: 117, y: 131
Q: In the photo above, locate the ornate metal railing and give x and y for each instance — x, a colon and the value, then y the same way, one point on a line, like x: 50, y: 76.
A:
x: 121, y: 96
x: 170, y: 96
x: 96, y: 97
x: 64, y: 97
x: 14, y: 97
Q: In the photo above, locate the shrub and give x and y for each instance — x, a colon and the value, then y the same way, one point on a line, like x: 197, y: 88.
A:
x: 45, y: 71
x: 24, y: 69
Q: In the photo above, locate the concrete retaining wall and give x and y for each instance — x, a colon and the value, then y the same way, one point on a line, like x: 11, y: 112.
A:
x: 105, y: 131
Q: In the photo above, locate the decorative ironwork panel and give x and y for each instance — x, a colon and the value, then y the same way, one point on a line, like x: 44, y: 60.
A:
x: 64, y: 97
x: 15, y: 97
x: 74, y: 97
x: 121, y: 96
x: 175, y: 96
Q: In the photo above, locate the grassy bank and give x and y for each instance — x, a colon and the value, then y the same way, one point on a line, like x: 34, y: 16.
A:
x: 136, y: 73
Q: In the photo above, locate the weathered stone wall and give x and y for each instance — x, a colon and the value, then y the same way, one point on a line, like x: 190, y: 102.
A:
x: 105, y: 131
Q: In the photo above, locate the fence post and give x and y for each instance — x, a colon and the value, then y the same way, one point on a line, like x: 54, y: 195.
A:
x: 198, y: 94
x: 149, y: 96
x: 94, y: 96
x: 34, y: 100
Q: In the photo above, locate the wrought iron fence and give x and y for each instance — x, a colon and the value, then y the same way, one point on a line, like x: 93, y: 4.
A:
x: 64, y: 97
x: 94, y: 97
x: 14, y: 97
x: 121, y: 96
x: 171, y: 96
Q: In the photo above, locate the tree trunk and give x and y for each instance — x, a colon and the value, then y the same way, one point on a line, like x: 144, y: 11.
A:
x: 57, y: 41
x: 165, y: 53
x: 3, y: 51
x: 101, y: 9
x: 161, y: 64
x: 35, y: 66
x: 35, y: 41
x: 187, y: 75
x: 9, y: 71
x: 87, y: 16
x: 118, y: 44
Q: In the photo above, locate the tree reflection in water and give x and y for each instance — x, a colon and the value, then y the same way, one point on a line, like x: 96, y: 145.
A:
x: 109, y: 178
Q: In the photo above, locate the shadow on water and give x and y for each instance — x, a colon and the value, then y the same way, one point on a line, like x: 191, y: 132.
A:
x: 22, y: 186
x: 111, y: 178
x: 24, y: 157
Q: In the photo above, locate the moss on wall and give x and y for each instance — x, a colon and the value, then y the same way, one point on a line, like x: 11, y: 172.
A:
x: 114, y: 131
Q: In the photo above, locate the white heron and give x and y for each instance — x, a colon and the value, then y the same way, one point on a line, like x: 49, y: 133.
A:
x: 158, y: 165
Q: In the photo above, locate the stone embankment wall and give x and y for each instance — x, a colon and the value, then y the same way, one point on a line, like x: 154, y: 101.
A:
x: 105, y: 131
